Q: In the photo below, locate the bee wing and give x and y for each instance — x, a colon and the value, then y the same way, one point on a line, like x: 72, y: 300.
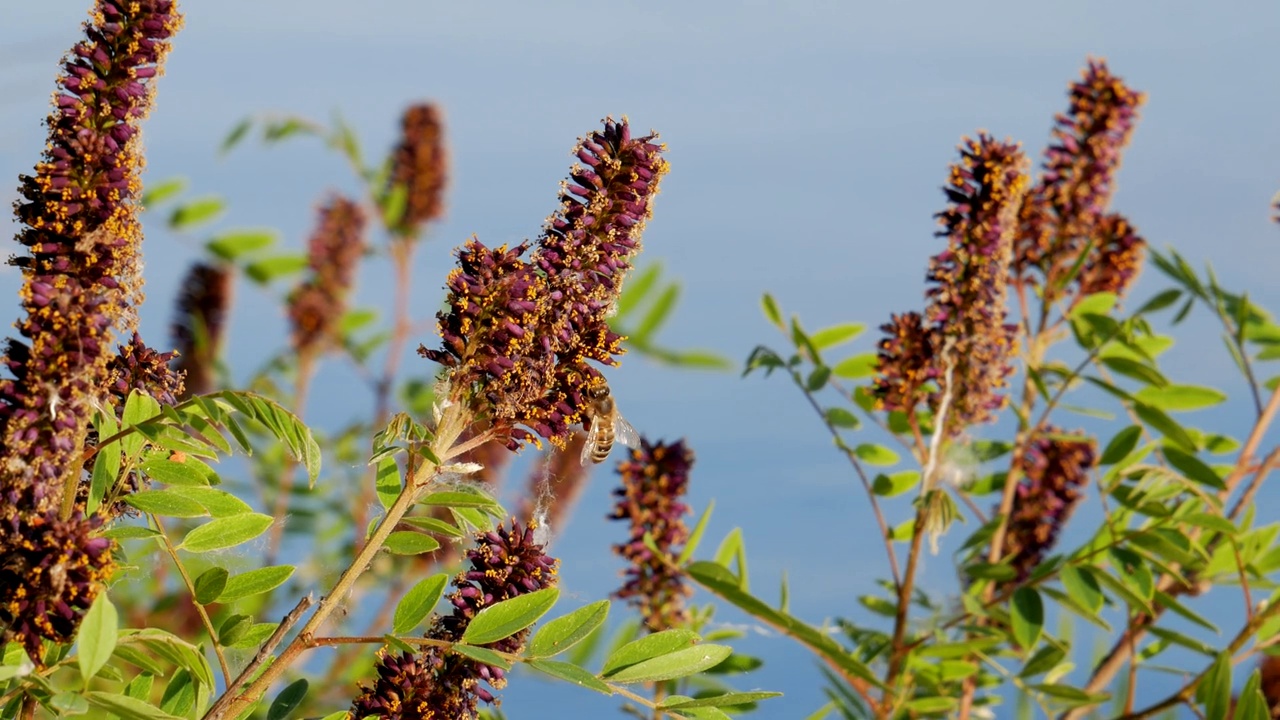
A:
x: 593, y: 436
x: 624, y: 433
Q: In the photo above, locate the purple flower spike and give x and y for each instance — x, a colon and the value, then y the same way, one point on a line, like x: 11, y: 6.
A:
x: 654, y: 480
x: 437, y: 684
x: 523, y: 323
x: 1066, y: 209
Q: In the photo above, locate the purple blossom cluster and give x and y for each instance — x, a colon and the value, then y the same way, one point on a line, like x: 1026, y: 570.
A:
x: 420, y: 165
x: 200, y: 321
x: 435, y: 684
x: 81, y: 280
x: 962, y: 341
x: 1065, y: 214
x: 333, y: 254
x: 654, y: 479
x: 523, y: 322
x: 1054, y: 472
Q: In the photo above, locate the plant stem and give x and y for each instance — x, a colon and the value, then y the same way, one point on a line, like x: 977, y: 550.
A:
x: 415, y: 486
x: 191, y: 590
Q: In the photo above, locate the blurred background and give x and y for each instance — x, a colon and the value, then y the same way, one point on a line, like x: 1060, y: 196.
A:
x: 808, y: 142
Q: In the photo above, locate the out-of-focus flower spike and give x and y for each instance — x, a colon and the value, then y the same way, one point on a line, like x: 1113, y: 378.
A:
x: 906, y: 362
x: 200, y: 323
x: 318, y: 304
x: 1116, y: 260
x: 420, y: 165
x: 1055, y: 470
x: 1062, y: 212
x: 654, y: 480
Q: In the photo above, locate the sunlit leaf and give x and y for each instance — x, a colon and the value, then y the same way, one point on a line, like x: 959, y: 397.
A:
x: 226, y: 532
x: 678, y: 664
x: 509, y: 617
x: 97, y: 637
x: 418, y: 603
x: 570, y: 673
x: 566, y: 631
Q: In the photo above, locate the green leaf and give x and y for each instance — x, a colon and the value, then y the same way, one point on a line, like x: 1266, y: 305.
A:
x: 729, y: 699
x: 173, y: 473
x: 140, y: 686
x: 210, y: 585
x: 484, y: 655
x: 930, y: 705
x: 1099, y: 303
x: 1165, y: 425
x: 97, y: 637
x: 159, y: 192
x: 138, y: 408
x: 657, y: 314
x: 283, y: 424
x: 459, y: 499
x: 233, y: 629
x: 818, y: 378
x: 233, y: 245
x: 274, y: 267
x: 226, y: 532
x: 857, y: 367
x: 635, y: 290
x: 876, y: 454
x: 681, y: 663
x: 1027, y: 613
x: 165, y: 502
x: 288, y: 700
x: 718, y: 580
x: 1181, y: 398
x: 196, y: 212
x: 895, y: 484
x: 1160, y: 301
x: 836, y: 335
x: 218, y: 503
x: 771, y: 311
x: 841, y: 418
x: 509, y: 616
x: 1138, y: 371
x: 1122, y: 443
x: 1252, y: 704
x: 129, y: 532
x: 695, y: 537
x: 418, y: 603
x: 649, y: 646
x: 1215, y: 691
x: 1044, y: 660
x: 410, y: 542
x: 1193, y: 468
x: 570, y: 673
x: 180, y: 694
x: 127, y: 707
x: 238, y: 133
x: 254, y: 582
x: 566, y: 631
x: 254, y: 636
x: 1070, y: 696
x: 1082, y: 586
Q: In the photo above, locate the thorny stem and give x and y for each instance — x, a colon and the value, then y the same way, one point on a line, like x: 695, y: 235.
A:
x: 416, y: 484
x: 191, y: 590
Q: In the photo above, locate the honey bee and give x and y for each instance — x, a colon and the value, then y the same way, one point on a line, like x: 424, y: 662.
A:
x: 606, y: 426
